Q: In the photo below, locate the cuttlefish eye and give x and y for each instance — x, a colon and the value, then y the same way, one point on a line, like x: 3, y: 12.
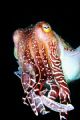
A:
x: 46, y: 27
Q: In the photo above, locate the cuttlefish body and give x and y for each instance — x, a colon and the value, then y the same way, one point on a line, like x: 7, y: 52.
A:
x: 42, y: 60
x: 70, y: 60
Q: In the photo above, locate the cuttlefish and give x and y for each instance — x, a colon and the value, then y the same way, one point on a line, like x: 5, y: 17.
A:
x: 46, y: 66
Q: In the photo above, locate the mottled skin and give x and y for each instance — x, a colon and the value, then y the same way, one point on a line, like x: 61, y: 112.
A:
x: 38, y: 55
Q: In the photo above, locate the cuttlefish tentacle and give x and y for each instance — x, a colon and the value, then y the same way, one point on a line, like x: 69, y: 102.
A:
x: 39, y: 63
x: 53, y: 93
x: 64, y: 93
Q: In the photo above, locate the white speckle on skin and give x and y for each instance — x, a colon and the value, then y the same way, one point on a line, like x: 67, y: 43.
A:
x: 42, y: 69
x: 46, y: 65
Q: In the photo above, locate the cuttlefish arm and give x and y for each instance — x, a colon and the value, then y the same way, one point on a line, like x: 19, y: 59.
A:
x: 55, y: 106
x: 51, y: 104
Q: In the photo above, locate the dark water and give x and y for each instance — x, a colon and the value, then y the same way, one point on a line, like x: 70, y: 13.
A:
x: 66, y: 23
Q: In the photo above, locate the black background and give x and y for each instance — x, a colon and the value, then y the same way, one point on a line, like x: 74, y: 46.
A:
x: 65, y: 20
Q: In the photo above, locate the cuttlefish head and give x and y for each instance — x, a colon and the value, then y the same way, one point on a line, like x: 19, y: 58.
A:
x: 44, y: 34
x: 43, y: 31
